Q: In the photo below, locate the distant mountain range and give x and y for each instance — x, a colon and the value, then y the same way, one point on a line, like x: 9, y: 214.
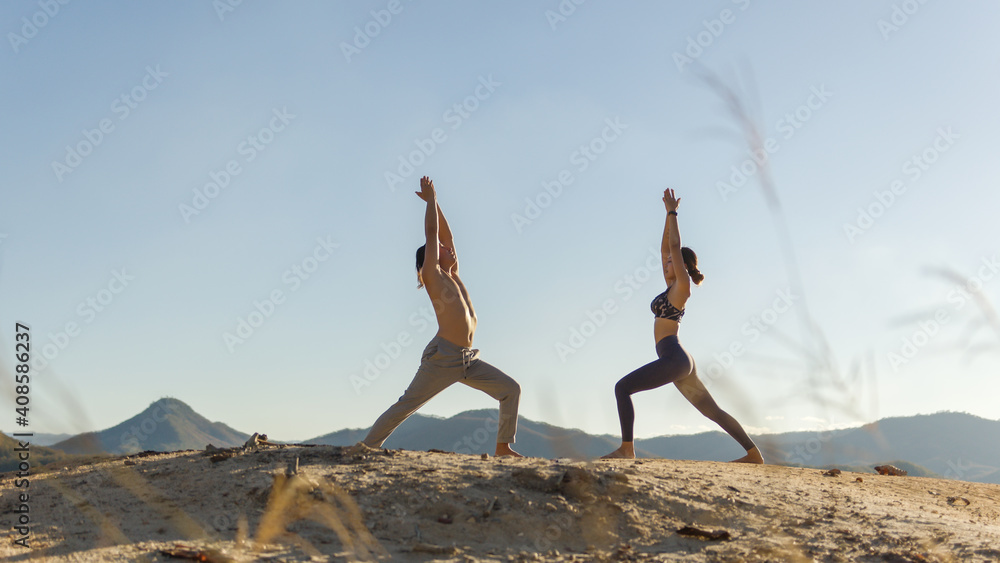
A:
x: 951, y: 445
x: 474, y: 432
x: 38, y: 455
x: 166, y: 425
x: 43, y: 439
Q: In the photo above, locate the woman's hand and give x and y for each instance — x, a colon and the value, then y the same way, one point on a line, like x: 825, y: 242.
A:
x: 426, y: 192
x: 669, y: 200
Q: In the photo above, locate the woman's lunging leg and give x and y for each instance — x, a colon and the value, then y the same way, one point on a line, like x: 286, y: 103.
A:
x: 649, y: 376
x: 668, y: 368
x: 695, y: 392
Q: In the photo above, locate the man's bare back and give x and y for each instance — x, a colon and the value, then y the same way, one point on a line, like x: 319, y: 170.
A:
x: 455, y: 315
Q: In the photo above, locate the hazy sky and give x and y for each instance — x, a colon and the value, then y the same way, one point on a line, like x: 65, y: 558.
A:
x: 215, y: 203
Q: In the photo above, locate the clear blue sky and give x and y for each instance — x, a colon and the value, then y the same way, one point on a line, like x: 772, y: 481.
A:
x: 304, y: 110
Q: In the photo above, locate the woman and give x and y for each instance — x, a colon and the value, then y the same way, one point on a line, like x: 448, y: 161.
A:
x: 674, y: 365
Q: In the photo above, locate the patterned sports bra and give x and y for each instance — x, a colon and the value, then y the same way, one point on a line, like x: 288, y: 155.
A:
x: 663, y: 309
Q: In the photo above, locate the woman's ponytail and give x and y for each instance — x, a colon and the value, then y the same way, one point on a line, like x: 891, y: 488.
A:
x: 691, y: 263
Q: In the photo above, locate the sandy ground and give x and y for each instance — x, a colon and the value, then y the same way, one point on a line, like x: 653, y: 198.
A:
x: 344, y: 504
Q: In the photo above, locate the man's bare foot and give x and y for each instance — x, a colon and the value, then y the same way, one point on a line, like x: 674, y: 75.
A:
x: 359, y: 448
x: 504, y: 450
x: 626, y: 451
x: 753, y: 456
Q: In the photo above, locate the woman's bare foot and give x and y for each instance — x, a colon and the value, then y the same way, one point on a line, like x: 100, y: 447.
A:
x: 504, y: 449
x: 753, y: 456
x: 625, y: 451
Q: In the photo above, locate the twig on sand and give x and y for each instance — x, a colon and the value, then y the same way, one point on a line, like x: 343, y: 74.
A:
x: 698, y: 533
x: 194, y: 554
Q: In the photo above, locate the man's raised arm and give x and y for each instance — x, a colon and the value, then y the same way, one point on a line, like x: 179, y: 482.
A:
x: 427, y: 194
x: 445, y: 232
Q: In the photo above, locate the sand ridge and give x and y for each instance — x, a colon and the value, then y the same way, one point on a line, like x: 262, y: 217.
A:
x: 358, y: 503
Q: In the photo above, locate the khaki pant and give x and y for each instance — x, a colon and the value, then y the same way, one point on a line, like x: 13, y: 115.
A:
x: 442, y: 365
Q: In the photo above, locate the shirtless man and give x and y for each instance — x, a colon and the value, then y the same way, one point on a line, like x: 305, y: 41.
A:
x: 449, y: 357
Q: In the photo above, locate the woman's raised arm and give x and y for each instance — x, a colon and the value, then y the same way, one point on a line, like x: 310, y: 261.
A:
x: 671, y: 245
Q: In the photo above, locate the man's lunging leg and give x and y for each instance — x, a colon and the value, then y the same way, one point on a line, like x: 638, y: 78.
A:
x: 425, y: 385
x: 495, y: 383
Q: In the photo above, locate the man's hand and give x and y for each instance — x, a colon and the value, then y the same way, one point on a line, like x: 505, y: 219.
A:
x: 669, y: 200
x: 427, y: 192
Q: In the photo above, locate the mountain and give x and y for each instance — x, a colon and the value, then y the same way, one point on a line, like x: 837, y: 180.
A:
x: 952, y: 445
x: 43, y: 439
x: 948, y: 444
x: 166, y: 425
x: 38, y: 455
x: 474, y: 432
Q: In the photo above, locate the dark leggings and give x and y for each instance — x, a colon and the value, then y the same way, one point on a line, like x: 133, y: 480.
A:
x: 673, y: 365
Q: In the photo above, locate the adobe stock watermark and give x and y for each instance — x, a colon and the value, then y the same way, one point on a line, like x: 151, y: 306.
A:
x: 92, y: 483
x: 787, y: 127
x: 229, y: 520
x: 422, y: 319
x: 559, y: 523
x: 132, y: 439
x: 485, y: 435
x: 714, y: 28
x: 87, y: 310
x: 454, y: 116
x: 364, y: 34
x: 292, y: 278
x: 249, y: 149
x: 899, y: 17
x: 803, y: 453
x: 958, y: 469
x: 225, y: 7
x: 563, y: 11
x: 581, y: 158
x: 913, y: 169
x: 31, y: 25
x: 751, y: 330
x: 121, y: 107
x: 958, y: 296
x: 626, y: 286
